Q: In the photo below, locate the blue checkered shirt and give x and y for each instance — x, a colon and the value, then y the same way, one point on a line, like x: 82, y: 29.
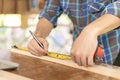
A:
x: 82, y: 12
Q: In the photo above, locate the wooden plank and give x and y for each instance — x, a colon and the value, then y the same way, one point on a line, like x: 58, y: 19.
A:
x: 1, y: 5
x: 39, y: 69
x: 106, y: 70
x: 9, y: 6
x: 10, y: 76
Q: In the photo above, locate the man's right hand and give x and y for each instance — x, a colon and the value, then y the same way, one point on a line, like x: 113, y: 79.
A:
x: 35, y: 49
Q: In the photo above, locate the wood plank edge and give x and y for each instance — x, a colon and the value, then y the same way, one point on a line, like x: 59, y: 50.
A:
x: 4, y: 75
x: 106, y: 70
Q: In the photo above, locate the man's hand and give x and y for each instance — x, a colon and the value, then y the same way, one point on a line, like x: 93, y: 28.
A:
x: 35, y: 49
x: 43, y: 29
x: 84, y: 47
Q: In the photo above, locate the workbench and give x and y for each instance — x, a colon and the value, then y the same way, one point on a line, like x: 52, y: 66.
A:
x: 45, y: 68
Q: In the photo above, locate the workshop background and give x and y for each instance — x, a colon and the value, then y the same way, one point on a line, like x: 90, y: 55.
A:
x: 17, y: 17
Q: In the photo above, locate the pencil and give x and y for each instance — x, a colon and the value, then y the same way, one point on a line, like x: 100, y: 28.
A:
x: 36, y: 39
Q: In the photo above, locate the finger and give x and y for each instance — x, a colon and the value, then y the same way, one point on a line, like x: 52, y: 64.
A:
x: 84, y: 61
x: 33, y: 53
x: 36, y: 53
x: 90, y: 61
x: 78, y: 61
x: 38, y: 48
x: 34, y: 50
x: 45, y: 45
x: 73, y: 58
x: 41, y: 51
x: 43, y: 41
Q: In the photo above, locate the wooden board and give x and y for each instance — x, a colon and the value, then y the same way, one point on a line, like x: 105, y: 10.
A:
x: 9, y: 76
x: 73, y: 72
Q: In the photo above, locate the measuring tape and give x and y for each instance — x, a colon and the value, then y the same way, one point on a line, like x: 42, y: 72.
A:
x: 97, y: 57
x: 50, y: 54
x: 59, y: 56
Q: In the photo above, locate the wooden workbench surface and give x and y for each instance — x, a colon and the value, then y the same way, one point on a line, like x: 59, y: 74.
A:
x: 39, y: 69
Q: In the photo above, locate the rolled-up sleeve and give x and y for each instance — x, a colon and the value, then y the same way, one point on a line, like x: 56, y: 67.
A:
x: 51, y: 11
x: 113, y: 8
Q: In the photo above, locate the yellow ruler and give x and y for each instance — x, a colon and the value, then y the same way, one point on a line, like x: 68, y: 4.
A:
x: 50, y: 54
x: 59, y: 56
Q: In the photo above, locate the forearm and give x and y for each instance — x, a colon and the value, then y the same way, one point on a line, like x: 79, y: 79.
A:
x: 43, y: 28
x: 104, y: 24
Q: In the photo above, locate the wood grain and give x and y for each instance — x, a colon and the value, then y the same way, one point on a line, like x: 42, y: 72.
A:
x: 9, y: 76
x: 22, y: 6
x: 1, y: 6
x: 46, y: 68
x: 9, y: 6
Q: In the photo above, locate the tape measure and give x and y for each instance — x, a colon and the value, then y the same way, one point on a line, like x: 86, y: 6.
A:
x: 59, y: 56
x: 21, y: 48
x: 50, y: 54
x: 98, y: 54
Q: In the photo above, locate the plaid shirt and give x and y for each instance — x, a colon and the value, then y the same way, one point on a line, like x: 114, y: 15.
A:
x: 82, y: 12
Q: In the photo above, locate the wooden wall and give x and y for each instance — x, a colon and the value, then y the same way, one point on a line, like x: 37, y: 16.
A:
x: 22, y: 6
x: 8, y: 6
x: 18, y: 6
x: 1, y: 1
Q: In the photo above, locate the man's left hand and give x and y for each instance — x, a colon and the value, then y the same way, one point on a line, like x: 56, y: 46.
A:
x: 84, y: 47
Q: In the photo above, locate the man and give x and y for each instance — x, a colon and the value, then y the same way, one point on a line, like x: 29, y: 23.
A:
x: 95, y: 23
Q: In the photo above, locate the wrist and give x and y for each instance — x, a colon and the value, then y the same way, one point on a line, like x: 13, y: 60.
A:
x: 91, y: 30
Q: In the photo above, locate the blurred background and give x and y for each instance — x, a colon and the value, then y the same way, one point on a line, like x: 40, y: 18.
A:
x: 17, y: 17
